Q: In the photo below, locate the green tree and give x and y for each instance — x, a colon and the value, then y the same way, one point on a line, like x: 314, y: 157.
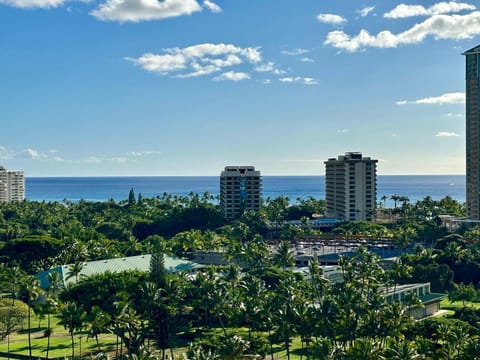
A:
x: 72, y: 317
x: 284, y: 255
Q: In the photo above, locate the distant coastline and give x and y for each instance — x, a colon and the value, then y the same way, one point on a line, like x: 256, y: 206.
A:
x: 415, y: 187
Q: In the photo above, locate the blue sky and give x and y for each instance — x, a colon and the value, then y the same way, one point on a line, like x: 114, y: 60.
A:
x: 185, y: 87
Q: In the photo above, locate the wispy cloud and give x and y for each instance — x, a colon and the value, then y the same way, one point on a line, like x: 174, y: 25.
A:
x: 453, y: 115
x: 366, y: 10
x: 446, y: 134
x: 298, y: 79
x: 307, y: 59
x: 232, y: 76
x: 295, y: 52
x: 343, y: 131
x: 197, y: 60
x: 269, y: 67
x: 438, y: 26
x: 331, y: 19
x: 31, y: 4
x: 448, y: 98
x: 144, y: 10
x: 131, y: 156
x: 6, y: 154
x: 403, y: 11
x: 210, y: 5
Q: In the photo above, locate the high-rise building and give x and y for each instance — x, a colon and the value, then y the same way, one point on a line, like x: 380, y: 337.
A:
x: 472, y: 133
x: 351, y: 187
x: 12, y: 185
x: 240, y: 189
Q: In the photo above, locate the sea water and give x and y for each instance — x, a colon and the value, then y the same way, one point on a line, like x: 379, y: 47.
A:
x: 415, y: 187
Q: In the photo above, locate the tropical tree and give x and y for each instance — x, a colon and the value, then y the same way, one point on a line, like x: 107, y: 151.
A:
x: 284, y: 255
x: 31, y: 291
x: 72, y: 317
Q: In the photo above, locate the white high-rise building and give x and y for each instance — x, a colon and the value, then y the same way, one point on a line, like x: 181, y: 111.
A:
x: 12, y: 185
x: 240, y: 189
x: 351, y: 187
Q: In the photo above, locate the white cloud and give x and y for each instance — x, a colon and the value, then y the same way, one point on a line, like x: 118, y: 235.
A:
x: 142, y: 10
x: 448, y: 98
x: 366, y: 10
x: 208, y: 4
x: 269, y: 67
x: 307, y: 59
x: 298, y: 79
x: 403, y: 11
x: 232, y: 76
x: 438, y: 26
x: 131, y: 156
x: 198, y: 60
x: 30, y: 4
x: 331, y: 19
x: 138, y: 154
x: 453, y: 115
x: 309, y: 81
x: 32, y: 154
x: 343, y: 131
x: 6, y: 154
x: 446, y: 134
x: 294, y: 52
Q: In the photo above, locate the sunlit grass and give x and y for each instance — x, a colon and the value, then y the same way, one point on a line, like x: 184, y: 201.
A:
x: 447, y: 305
x: 60, y: 341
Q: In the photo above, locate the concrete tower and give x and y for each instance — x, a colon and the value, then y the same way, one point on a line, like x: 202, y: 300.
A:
x: 240, y: 189
x: 351, y: 187
x: 472, y: 133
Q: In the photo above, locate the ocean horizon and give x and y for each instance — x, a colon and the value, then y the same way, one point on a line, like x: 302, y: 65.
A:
x: 415, y: 187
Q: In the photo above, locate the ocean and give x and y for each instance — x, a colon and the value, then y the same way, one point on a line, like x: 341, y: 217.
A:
x: 415, y: 187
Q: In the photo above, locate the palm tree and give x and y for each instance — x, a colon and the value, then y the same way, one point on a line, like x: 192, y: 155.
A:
x: 403, y: 350
x: 74, y: 270
x: 97, y: 321
x: 72, y: 317
x: 284, y: 255
x: 55, y: 284
x: 31, y: 290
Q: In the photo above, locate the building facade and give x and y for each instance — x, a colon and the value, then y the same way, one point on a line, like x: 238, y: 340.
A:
x: 12, y: 185
x: 351, y: 187
x: 240, y: 189
x: 472, y: 133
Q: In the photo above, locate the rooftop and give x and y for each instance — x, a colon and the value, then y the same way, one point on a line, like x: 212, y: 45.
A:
x: 474, y: 50
x: 139, y: 262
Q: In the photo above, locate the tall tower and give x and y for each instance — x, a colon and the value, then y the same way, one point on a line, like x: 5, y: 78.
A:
x: 12, y: 185
x: 240, y: 189
x: 351, y: 187
x: 472, y: 57
x: 16, y: 186
x: 3, y: 184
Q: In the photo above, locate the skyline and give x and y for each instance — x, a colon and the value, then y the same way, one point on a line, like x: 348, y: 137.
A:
x: 138, y: 87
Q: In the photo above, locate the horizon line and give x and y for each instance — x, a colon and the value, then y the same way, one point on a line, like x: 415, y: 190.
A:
x: 217, y: 175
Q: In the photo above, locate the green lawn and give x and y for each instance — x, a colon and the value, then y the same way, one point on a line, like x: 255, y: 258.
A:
x: 60, y: 341
x: 445, y: 304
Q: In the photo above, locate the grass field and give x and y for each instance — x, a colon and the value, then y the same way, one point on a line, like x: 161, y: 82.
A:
x: 447, y: 305
x: 60, y: 342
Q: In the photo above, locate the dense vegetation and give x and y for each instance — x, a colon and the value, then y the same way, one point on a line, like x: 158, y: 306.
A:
x: 228, y: 312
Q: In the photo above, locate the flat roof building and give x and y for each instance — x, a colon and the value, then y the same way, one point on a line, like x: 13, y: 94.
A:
x: 240, y: 190
x: 351, y: 187
x: 472, y: 131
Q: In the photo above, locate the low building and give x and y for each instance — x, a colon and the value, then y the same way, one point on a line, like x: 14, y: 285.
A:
x: 430, y: 302
x: 139, y: 262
